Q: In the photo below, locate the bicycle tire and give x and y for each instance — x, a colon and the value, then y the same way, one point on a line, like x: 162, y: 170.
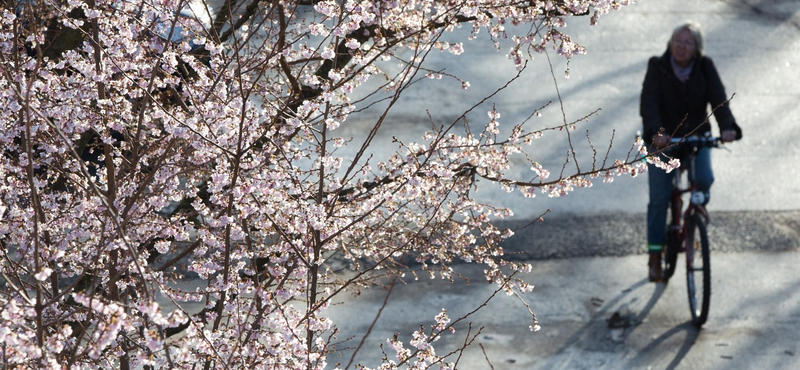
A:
x: 671, y: 247
x: 698, y: 269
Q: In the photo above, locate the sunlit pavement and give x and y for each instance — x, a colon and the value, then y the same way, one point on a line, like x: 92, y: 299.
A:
x: 756, y: 49
x: 754, y: 321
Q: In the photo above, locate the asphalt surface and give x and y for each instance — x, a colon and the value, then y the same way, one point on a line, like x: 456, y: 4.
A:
x: 754, y: 44
x: 587, y: 253
x: 754, y: 320
x: 618, y: 235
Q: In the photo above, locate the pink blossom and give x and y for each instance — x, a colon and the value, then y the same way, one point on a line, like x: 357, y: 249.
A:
x: 192, y: 188
x: 43, y: 274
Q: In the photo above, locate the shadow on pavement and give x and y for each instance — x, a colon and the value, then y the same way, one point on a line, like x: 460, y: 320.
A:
x: 605, y: 330
x: 651, y: 353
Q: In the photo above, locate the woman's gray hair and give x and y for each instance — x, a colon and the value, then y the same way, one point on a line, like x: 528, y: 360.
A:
x: 697, y: 32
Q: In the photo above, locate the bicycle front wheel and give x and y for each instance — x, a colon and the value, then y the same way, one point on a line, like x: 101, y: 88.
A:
x: 698, y: 269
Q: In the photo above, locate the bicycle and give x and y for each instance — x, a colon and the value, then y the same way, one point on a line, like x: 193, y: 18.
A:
x: 687, y: 231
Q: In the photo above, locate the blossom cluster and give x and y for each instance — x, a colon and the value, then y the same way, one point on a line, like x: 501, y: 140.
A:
x: 171, y: 193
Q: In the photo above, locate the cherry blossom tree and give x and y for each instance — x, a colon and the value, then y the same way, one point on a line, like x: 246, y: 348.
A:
x: 173, y: 193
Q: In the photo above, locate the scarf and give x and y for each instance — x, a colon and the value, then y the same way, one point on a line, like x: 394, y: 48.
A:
x: 682, y: 73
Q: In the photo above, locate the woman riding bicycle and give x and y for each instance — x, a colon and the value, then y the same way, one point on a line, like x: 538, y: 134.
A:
x: 677, y: 90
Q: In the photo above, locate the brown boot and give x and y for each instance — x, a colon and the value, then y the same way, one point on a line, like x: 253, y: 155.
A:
x: 655, y: 267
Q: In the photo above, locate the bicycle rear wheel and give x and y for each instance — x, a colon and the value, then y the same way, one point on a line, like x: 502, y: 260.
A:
x: 698, y: 269
x: 671, y: 246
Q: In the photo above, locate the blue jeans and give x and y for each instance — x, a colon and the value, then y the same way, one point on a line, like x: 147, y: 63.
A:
x: 661, y: 190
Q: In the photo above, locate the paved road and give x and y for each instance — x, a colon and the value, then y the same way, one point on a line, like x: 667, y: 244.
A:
x: 755, y: 45
x: 754, y: 321
x: 585, y: 255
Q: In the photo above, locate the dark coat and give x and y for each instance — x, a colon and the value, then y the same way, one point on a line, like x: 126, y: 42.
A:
x: 666, y: 101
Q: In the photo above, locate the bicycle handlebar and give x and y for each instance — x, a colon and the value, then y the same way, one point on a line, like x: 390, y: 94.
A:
x: 713, y: 142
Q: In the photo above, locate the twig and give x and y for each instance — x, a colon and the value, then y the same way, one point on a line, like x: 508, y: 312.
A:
x: 563, y: 113
x: 486, y: 356
x: 372, y: 325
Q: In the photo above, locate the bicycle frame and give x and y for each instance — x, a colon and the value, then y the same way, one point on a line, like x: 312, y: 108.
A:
x: 677, y: 213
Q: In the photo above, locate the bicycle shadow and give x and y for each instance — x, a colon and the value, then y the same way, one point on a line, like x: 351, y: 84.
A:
x: 657, y: 293
x: 608, y: 327
x: 651, y: 354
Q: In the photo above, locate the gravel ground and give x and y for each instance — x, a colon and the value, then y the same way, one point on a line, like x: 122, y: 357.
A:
x: 569, y: 236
